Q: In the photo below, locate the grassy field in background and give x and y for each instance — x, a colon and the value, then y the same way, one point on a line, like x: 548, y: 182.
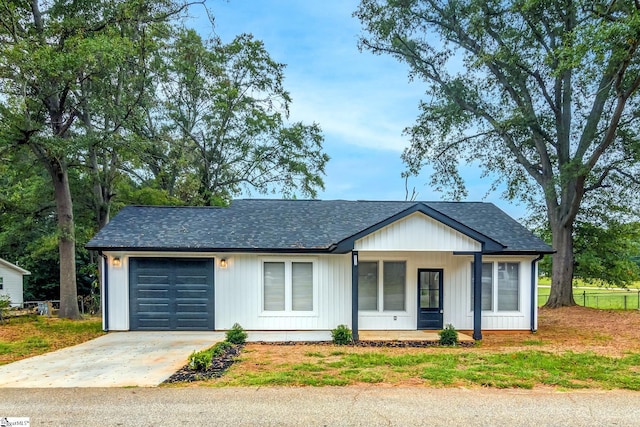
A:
x: 590, y: 295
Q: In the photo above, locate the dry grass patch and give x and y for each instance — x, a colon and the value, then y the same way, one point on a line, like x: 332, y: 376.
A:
x: 577, y: 329
x: 27, y: 336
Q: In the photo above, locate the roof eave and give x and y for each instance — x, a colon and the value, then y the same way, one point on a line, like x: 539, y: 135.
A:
x: 207, y: 249
x: 15, y: 267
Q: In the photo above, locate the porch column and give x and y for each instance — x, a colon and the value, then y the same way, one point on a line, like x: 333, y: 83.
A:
x: 477, y: 295
x: 354, y: 295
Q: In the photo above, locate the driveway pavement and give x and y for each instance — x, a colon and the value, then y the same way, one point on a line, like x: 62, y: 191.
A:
x: 118, y: 359
x: 320, y: 406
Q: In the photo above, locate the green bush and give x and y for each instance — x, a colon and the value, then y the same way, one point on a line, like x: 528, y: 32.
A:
x: 236, y: 335
x: 200, y: 360
x: 342, y: 335
x: 220, y: 348
x: 449, y: 335
x: 5, y: 303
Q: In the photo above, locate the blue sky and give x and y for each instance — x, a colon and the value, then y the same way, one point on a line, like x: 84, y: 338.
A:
x: 361, y: 101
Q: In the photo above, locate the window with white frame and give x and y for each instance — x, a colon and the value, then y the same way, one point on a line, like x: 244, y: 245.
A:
x: 1, y: 283
x: 288, y: 286
x: 382, y: 285
x: 500, y: 286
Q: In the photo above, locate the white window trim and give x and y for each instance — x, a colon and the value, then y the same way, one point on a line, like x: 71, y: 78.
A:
x: 381, y: 309
x: 288, y: 288
x: 494, y: 288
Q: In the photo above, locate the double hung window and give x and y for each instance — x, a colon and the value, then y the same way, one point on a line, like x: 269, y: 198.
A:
x: 382, y: 285
x: 288, y: 286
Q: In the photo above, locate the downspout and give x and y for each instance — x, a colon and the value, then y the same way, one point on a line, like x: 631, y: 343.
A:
x: 105, y: 292
x: 534, y: 294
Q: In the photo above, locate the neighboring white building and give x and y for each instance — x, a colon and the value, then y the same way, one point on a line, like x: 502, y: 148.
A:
x: 310, y: 265
x: 12, y: 282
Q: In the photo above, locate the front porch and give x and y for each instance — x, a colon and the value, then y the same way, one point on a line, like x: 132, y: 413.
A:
x: 412, y: 336
x: 416, y: 336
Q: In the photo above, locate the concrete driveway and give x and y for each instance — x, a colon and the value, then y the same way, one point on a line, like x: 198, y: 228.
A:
x: 118, y: 359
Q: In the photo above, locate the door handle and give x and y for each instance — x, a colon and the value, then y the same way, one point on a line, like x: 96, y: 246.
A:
x: 441, y: 311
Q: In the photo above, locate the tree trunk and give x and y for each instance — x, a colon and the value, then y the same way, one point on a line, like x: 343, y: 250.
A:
x: 562, y: 270
x: 67, y: 242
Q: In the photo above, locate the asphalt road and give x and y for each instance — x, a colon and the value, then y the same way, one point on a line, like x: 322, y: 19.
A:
x: 348, y: 406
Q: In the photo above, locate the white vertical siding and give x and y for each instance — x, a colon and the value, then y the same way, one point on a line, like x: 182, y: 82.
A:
x: 407, y: 320
x: 117, y: 303
x: 456, y: 293
x: 12, y: 285
x: 239, y: 294
x: 417, y: 232
x: 462, y: 316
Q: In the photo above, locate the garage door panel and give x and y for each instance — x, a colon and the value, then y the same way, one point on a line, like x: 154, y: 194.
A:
x: 171, y: 294
x: 153, y: 324
x: 191, y: 293
x: 183, y: 307
x: 145, y: 308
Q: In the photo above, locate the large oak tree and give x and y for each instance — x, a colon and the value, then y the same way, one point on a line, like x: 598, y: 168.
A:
x: 56, y: 60
x: 542, y: 94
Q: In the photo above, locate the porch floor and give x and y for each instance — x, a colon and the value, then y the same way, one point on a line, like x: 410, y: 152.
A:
x: 419, y: 335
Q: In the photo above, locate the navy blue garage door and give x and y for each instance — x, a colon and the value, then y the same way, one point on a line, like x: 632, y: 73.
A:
x: 171, y: 294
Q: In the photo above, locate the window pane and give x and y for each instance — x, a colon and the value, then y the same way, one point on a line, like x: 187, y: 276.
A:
x: 368, y: 286
x: 487, y: 286
x: 393, y: 285
x: 429, y: 289
x: 302, y: 286
x: 508, y: 286
x: 274, y: 286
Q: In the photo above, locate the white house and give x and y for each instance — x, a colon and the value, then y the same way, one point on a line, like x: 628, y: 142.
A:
x: 310, y: 265
x: 11, y: 282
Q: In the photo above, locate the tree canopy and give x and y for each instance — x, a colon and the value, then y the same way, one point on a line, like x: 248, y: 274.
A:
x: 109, y: 102
x: 542, y: 94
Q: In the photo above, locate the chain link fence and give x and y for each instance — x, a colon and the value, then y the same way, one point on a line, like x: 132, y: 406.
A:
x: 596, y: 298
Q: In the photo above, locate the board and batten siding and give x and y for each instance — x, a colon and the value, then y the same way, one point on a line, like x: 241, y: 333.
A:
x: 456, y: 293
x: 238, y: 291
x: 239, y: 294
x: 417, y: 232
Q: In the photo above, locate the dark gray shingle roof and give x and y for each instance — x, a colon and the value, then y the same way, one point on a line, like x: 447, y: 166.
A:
x: 282, y: 225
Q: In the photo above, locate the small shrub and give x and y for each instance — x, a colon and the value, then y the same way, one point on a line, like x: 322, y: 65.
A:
x: 220, y: 348
x: 5, y: 304
x: 449, y: 335
x: 200, y: 360
x: 236, y: 335
x: 342, y: 335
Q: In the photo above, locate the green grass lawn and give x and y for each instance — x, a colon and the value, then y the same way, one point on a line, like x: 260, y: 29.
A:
x: 455, y: 368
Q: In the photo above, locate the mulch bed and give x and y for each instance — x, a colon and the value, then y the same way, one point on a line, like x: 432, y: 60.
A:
x: 218, y: 367
x: 395, y: 344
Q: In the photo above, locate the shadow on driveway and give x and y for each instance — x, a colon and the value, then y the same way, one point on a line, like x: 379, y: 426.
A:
x: 118, y: 359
